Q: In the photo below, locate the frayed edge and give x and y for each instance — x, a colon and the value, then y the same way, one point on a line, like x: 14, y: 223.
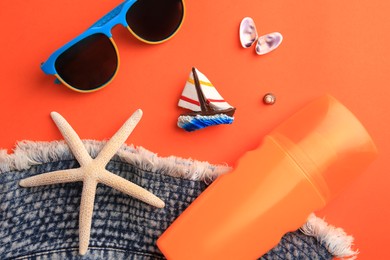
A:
x: 336, y: 241
x: 30, y: 153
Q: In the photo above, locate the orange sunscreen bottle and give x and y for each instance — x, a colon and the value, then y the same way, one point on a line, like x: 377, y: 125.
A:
x: 299, y: 167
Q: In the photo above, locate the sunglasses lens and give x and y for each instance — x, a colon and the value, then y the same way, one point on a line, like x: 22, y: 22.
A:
x: 89, y: 64
x: 155, y: 20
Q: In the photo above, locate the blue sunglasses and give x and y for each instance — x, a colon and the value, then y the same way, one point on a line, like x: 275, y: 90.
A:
x: 90, y: 61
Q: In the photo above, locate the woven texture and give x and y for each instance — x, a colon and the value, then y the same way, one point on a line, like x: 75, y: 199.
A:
x: 42, y: 222
x: 91, y: 172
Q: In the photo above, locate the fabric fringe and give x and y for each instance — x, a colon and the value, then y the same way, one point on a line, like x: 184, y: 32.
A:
x: 29, y: 153
x: 336, y: 241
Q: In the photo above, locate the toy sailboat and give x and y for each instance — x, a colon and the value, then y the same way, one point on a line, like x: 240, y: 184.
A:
x: 208, y: 106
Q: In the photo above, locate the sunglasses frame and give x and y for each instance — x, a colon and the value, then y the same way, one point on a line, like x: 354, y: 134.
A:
x: 104, y: 25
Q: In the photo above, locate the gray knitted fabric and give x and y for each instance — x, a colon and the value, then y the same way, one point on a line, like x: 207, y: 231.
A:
x: 42, y: 222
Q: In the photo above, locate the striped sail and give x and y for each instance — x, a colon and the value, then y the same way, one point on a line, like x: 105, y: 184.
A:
x: 189, y: 98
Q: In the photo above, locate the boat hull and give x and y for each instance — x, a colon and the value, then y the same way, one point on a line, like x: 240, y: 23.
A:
x: 195, y: 122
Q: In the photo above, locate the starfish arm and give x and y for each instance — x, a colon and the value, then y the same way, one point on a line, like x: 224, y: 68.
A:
x: 130, y: 188
x: 86, y: 212
x: 63, y: 176
x: 72, y: 139
x: 113, y: 145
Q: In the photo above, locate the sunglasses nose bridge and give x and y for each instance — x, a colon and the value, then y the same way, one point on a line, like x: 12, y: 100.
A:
x: 115, y: 17
x: 108, y: 28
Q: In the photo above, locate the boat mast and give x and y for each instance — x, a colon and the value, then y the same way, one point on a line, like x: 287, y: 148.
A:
x: 204, y: 105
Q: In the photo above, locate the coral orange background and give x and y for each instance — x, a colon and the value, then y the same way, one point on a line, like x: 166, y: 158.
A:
x: 335, y: 47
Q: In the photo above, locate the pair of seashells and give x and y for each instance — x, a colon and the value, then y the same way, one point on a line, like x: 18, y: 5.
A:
x: 265, y: 43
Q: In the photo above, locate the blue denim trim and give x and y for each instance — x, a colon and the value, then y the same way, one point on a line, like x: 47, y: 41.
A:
x: 42, y: 222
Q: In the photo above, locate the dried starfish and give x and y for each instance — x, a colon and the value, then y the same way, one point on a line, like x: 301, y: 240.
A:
x: 91, y: 172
